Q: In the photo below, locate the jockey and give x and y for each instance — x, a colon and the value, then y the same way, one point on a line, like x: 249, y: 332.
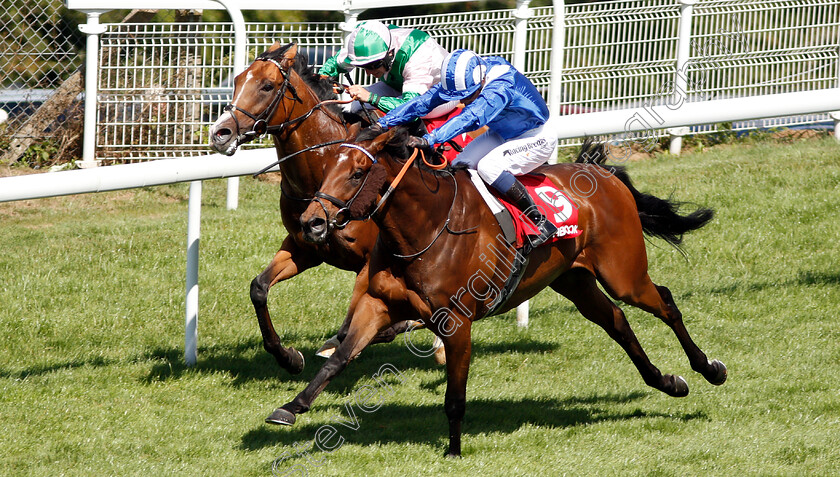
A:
x: 494, y: 94
x: 406, y: 61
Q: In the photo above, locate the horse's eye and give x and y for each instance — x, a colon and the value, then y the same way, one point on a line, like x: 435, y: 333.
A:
x: 268, y: 87
x: 357, y: 175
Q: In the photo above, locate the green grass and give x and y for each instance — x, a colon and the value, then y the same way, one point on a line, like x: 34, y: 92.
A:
x: 92, y: 380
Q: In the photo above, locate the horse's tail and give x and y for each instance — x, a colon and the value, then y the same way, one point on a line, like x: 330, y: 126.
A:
x: 659, y: 216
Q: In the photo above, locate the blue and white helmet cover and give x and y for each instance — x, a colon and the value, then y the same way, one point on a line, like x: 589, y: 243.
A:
x: 461, y: 74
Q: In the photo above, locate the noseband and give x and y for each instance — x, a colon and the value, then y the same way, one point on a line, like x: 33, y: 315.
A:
x: 343, y: 217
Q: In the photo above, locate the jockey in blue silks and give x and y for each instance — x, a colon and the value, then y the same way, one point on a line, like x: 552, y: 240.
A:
x: 495, y: 94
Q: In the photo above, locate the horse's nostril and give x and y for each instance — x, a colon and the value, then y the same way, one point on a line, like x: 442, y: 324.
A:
x: 222, y: 135
x: 317, y: 225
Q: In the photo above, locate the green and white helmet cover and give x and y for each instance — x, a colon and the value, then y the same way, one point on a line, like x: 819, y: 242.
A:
x: 368, y: 42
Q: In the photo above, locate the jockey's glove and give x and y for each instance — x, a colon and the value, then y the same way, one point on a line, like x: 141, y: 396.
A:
x: 376, y: 128
x: 419, y: 143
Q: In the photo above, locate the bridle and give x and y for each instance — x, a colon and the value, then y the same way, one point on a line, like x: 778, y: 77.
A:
x: 343, y: 216
x: 261, y: 125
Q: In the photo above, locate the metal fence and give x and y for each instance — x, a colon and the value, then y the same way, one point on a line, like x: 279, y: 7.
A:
x: 160, y: 87
x: 162, y: 84
x: 620, y: 55
x: 766, y: 47
x: 39, y: 49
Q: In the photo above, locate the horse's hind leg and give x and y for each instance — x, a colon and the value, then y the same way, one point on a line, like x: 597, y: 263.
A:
x: 288, y: 262
x: 638, y: 290
x: 578, y: 285
x: 714, y: 371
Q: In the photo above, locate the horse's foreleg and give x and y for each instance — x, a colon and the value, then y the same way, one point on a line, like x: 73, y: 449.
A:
x: 579, y: 286
x: 360, y: 287
x: 370, y: 317
x: 385, y: 336
x: 458, y: 350
x: 288, y: 262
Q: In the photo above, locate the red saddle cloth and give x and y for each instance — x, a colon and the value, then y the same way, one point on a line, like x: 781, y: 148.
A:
x: 461, y: 140
x: 552, y: 202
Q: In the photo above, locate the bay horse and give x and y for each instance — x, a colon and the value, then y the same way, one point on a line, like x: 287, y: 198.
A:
x: 280, y: 94
x: 438, y: 260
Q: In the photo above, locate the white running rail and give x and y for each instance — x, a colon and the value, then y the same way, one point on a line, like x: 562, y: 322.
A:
x: 735, y: 50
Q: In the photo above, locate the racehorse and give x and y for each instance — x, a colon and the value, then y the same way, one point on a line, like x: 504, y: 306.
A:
x: 280, y: 94
x: 439, y: 260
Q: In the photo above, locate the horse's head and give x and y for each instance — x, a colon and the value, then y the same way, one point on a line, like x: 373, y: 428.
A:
x: 353, y: 184
x: 264, y: 95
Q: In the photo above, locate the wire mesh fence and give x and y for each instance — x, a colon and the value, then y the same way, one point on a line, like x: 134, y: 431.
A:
x: 39, y: 51
x: 766, y: 47
x: 161, y: 85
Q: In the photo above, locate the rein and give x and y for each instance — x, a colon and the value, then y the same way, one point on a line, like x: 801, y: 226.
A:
x: 445, y: 224
x: 276, y: 129
x: 344, y: 206
x: 307, y: 149
x: 342, y: 217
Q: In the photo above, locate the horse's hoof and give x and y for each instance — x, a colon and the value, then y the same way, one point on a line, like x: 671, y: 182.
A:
x: 296, y: 363
x: 440, y: 356
x: 281, y: 416
x: 440, y: 351
x: 328, y: 347
x: 680, y: 387
x: 720, y: 373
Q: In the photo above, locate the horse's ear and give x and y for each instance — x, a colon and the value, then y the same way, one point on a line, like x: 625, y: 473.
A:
x: 289, y: 55
x: 379, y: 142
x: 353, y: 131
x: 277, y: 45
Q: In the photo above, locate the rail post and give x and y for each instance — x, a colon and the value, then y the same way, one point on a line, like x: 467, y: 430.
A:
x: 558, y: 42
x: 92, y: 29
x: 191, y: 305
x: 520, y: 33
x: 835, y: 115
x: 240, y: 52
x: 683, y: 53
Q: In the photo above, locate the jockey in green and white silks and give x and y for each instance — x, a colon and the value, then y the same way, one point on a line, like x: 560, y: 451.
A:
x: 406, y: 61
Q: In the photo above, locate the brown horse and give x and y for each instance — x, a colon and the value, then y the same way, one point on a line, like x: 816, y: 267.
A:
x: 439, y: 260
x: 281, y: 95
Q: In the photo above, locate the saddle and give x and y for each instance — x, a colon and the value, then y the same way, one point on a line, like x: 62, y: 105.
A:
x: 553, y: 203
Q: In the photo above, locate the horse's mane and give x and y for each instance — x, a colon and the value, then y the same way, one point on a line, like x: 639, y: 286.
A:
x: 397, y: 149
x: 396, y: 145
x: 322, y: 87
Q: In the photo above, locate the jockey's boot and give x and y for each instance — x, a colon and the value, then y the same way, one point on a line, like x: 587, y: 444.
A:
x: 519, y: 197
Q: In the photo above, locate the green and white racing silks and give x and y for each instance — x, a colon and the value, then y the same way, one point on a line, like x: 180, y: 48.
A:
x: 415, y: 68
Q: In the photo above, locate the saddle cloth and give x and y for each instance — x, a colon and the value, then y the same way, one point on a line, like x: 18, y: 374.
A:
x: 462, y: 139
x: 553, y: 203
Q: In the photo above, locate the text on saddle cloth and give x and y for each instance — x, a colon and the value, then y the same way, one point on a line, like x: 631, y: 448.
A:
x: 553, y: 203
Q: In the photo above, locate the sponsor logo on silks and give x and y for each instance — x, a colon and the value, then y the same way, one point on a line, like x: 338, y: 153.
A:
x: 524, y: 147
x: 562, y: 206
x: 564, y: 230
